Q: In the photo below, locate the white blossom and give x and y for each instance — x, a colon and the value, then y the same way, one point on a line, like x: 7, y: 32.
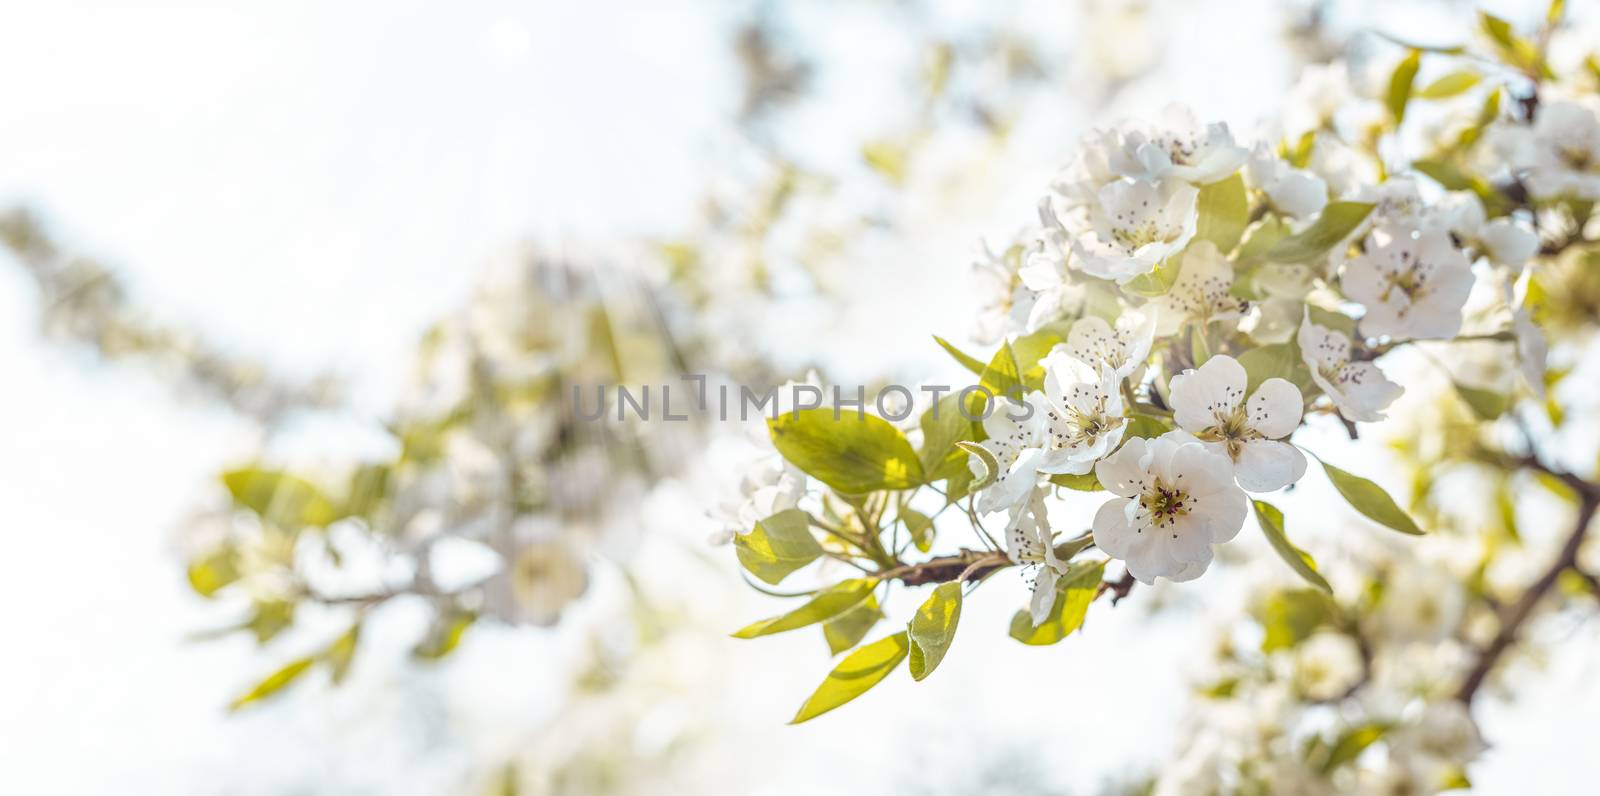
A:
x: 1210, y: 404
x: 1559, y: 154
x: 1004, y: 303
x: 1504, y: 241
x: 1081, y: 414
x: 1359, y: 389
x: 1412, y: 283
x: 1327, y: 666
x: 1175, y: 498
x: 1122, y: 348
x: 1201, y: 293
x: 542, y: 573
x: 1103, y: 157
x: 1030, y: 542
x: 768, y: 486
x: 1136, y: 225
x: 1180, y: 147
x: 1291, y: 191
x: 1045, y: 272
x: 1016, y: 439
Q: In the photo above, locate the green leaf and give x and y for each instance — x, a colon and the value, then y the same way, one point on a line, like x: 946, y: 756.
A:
x: 1260, y: 237
x: 212, y: 572
x: 342, y: 652
x: 273, y: 683
x: 286, y: 500
x: 887, y: 158
x: 1450, y: 85
x: 967, y: 360
x: 1275, y: 361
x: 1145, y: 427
x: 933, y: 628
x: 444, y: 635
x: 991, y: 465
x: 1289, y: 617
x: 920, y: 526
x: 1516, y: 51
x: 1075, y: 590
x: 1335, y: 223
x: 852, y: 453
x: 1352, y: 743
x: 822, y: 606
x: 777, y: 546
x: 1224, y: 211
x: 1002, y: 376
x: 1030, y: 350
x: 1399, y: 94
x: 1370, y: 499
x: 1087, y: 482
x: 847, y: 629
x: 857, y: 673
x: 1271, y: 521
x: 1486, y: 404
x: 943, y: 425
x: 1158, y: 281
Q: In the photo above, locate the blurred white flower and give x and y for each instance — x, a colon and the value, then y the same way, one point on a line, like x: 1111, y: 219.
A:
x: 1504, y: 241
x: 1175, y: 499
x: 1045, y: 272
x: 1003, y: 301
x: 1327, y: 666
x: 1412, y: 283
x: 1559, y: 154
x: 1210, y: 404
x: 769, y: 485
x: 1291, y: 191
x: 542, y: 574
x: 1136, y: 225
x: 1179, y: 147
x: 1200, y: 294
x: 1016, y: 436
x: 1359, y: 389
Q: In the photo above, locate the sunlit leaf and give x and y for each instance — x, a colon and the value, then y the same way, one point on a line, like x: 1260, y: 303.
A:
x: 282, y: 498
x: 1271, y: 521
x: 1289, y: 617
x: 273, y: 683
x: 1075, y: 590
x: 1224, y: 211
x: 858, y: 672
x: 777, y: 546
x: 1399, y: 93
x: 847, y: 629
x: 1486, y: 404
x: 933, y: 628
x: 1450, y: 85
x: 822, y: 606
x: 1335, y: 223
x: 852, y: 453
x: 1371, y: 500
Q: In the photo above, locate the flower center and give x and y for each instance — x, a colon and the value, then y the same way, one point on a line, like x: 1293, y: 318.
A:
x: 1233, y: 429
x: 1165, y: 504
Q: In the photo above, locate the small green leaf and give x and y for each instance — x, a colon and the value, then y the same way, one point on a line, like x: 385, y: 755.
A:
x: 342, y: 652
x: 943, y: 425
x: 444, y: 635
x: 1145, y: 427
x: 991, y: 465
x: 967, y: 360
x: 1486, y: 404
x: 1260, y: 237
x: 920, y: 526
x: 933, y: 628
x: 1271, y: 521
x: 1158, y: 281
x: 852, y: 453
x: 273, y: 683
x: 857, y: 673
x: 1275, y: 361
x: 1291, y: 616
x: 212, y: 572
x: 1224, y: 211
x: 847, y: 629
x: 1087, y: 482
x: 1370, y: 499
x: 1335, y: 223
x: 1450, y: 85
x: 286, y: 500
x: 1352, y: 743
x: 822, y: 606
x: 1399, y: 94
x: 887, y: 158
x: 777, y: 546
x: 1075, y: 590
x: 1002, y: 376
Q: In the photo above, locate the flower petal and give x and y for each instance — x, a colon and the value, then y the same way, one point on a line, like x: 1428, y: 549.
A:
x: 1274, y: 409
x: 1266, y: 465
x: 1200, y: 397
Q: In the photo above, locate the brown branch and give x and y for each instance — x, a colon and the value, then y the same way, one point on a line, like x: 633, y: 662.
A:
x: 966, y: 565
x: 1119, y: 588
x: 1512, y: 621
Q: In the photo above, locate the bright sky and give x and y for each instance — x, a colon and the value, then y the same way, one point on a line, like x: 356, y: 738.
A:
x: 316, y: 182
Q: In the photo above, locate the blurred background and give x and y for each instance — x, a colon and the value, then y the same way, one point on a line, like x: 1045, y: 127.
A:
x: 237, y: 233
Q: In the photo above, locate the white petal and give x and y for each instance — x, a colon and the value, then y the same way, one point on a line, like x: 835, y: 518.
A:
x: 1199, y: 397
x: 1266, y: 465
x: 1044, y: 595
x: 1112, y: 533
x: 1275, y: 407
x: 1223, y: 513
x: 1149, y: 560
x: 1122, y: 473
